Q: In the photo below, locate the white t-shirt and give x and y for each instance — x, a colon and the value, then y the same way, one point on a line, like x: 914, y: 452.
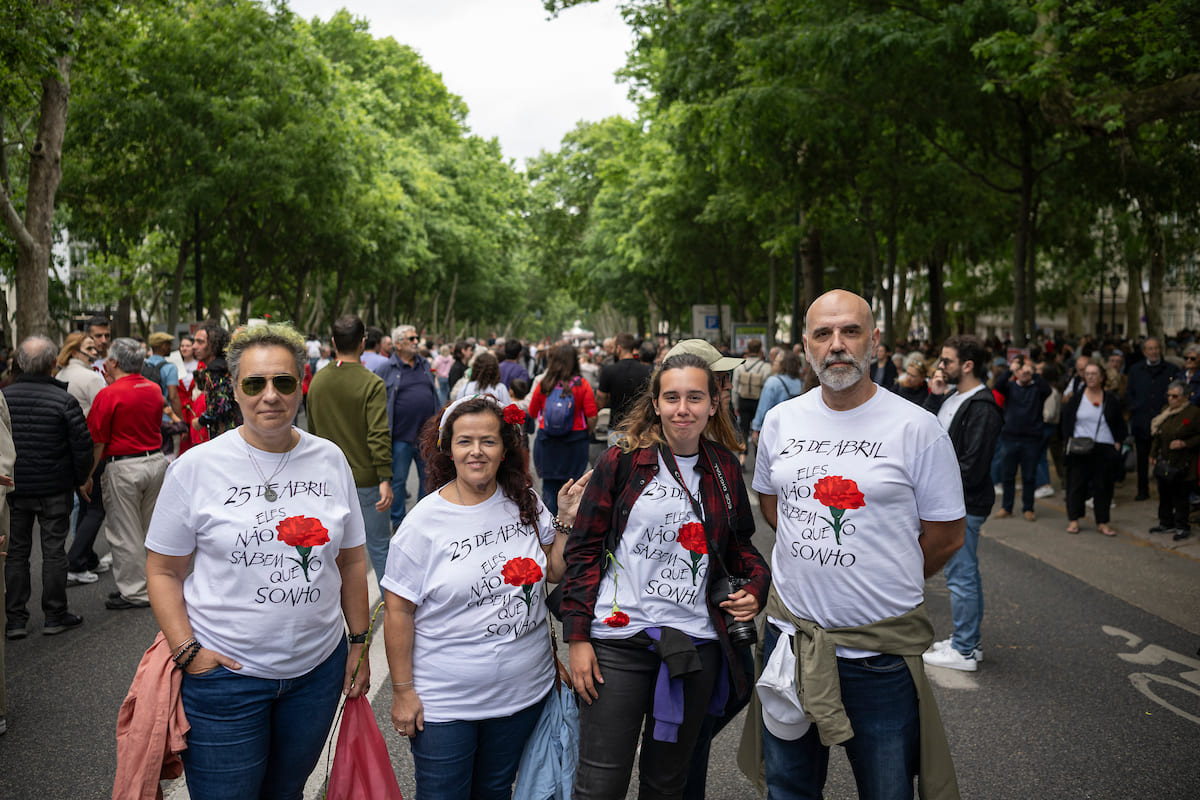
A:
x: 852, y: 488
x: 659, y: 582
x: 270, y: 605
x: 481, y: 648
x: 952, y: 404
x: 1090, y: 423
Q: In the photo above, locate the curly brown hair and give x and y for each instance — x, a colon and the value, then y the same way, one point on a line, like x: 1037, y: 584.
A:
x: 513, y: 475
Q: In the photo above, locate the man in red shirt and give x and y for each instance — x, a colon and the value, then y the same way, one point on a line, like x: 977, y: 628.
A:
x: 125, y: 426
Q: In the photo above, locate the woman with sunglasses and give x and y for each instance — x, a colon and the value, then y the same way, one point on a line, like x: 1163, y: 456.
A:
x: 665, y: 521
x: 1175, y: 441
x: 256, y: 569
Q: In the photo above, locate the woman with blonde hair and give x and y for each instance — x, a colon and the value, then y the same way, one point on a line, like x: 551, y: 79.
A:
x: 659, y: 566
x: 75, y: 369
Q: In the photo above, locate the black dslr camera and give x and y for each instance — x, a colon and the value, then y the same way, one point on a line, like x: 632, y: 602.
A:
x: 741, y: 634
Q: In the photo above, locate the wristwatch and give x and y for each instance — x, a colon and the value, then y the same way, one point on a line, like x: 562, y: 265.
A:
x: 358, y: 638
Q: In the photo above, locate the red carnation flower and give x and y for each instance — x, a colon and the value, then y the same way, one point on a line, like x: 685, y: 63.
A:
x: 513, y: 414
x: 619, y: 619
x: 303, y: 532
x: 838, y: 492
x: 691, y: 536
x: 521, y: 571
x: 839, y: 495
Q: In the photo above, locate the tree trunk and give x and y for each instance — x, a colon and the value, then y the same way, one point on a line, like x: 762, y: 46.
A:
x: 1133, y: 299
x: 903, y: 315
x: 448, y: 323
x: 1021, y: 241
x: 181, y: 259
x: 937, y: 294
x: 1158, y: 269
x: 813, y: 265
x: 1031, y: 275
x: 35, y: 234
x: 772, y: 299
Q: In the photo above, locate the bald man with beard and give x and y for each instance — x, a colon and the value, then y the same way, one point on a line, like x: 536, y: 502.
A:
x: 864, y: 492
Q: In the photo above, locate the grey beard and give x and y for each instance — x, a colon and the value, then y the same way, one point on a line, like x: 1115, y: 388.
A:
x: 842, y: 378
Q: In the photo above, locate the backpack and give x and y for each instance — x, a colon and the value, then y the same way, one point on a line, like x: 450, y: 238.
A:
x: 153, y: 372
x: 558, y: 417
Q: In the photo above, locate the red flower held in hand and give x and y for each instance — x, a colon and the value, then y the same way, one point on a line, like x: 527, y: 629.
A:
x: 521, y: 571
x: 619, y: 619
x: 303, y: 532
x: 691, y: 536
x: 838, y: 492
x: 513, y: 414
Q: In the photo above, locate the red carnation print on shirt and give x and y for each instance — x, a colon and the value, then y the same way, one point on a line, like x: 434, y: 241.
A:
x: 691, y: 537
x: 525, y: 573
x: 303, y: 533
x: 839, y: 495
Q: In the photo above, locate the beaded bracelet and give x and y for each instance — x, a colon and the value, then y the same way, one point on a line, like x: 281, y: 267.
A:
x: 192, y: 651
x: 558, y: 526
x: 182, y: 650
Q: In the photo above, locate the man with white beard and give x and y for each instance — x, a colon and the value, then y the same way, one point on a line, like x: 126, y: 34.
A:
x: 864, y: 492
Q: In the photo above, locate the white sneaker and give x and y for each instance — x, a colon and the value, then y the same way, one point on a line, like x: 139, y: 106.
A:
x: 105, y: 563
x: 999, y: 487
x: 82, y: 577
x: 949, y: 658
x: 944, y: 644
x: 1044, y: 491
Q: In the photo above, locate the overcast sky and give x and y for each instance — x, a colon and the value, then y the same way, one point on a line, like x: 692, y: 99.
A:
x: 526, y: 80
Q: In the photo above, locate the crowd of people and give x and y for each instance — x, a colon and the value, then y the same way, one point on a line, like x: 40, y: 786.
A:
x: 246, y: 482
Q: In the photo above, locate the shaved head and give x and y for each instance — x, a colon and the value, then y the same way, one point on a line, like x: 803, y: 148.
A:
x: 840, y: 302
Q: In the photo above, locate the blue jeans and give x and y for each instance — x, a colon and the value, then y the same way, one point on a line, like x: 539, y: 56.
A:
x: 884, y: 754
x: 254, y: 737
x: 1043, y: 467
x: 1023, y: 453
x: 403, y: 456
x: 474, y: 759
x: 966, y: 589
x: 379, y: 529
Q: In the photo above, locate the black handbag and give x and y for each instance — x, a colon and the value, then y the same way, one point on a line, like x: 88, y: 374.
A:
x: 1083, y: 445
x: 1167, y: 472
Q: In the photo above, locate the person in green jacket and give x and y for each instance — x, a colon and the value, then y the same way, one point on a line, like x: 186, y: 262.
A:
x: 347, y: 404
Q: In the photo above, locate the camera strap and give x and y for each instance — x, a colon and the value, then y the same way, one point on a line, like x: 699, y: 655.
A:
x: 673, y: 467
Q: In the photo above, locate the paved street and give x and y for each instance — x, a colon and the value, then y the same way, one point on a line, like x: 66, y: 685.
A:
x: 1090, y: 687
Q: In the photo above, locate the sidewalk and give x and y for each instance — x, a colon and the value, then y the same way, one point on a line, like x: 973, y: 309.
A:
x: 1146, y: 570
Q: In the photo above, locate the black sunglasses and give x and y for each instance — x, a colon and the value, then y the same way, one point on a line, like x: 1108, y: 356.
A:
x: 255, y: 384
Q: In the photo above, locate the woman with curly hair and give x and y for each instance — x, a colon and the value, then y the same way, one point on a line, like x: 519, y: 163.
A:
x: 646, y: 599
x: 216, y: 408
x: 466, y: 632
x: 256, y: 569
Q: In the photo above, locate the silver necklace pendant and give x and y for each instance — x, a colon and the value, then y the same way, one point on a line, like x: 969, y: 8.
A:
x: 270, y: 495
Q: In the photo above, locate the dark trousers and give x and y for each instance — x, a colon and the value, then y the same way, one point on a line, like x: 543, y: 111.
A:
x: 747, y: 408
x: 53, y: 515
x: 1023, y: 453
x: 1095, y: 469
x: 1142, y: 452
x: 82, y: 555
x: 610, y: 726
x: 1174, y: 503
x: 697, y: 780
